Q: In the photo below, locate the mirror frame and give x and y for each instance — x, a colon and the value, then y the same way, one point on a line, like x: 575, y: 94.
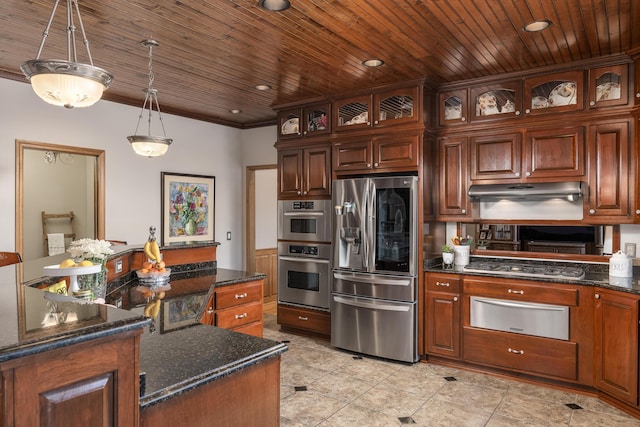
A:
x: 21, y: 145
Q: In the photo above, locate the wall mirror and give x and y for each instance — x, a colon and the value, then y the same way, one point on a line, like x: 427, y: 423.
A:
x: 68, y: 184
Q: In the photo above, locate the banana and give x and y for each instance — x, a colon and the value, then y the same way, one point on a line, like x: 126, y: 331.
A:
x: 148, y: 251
x: 155, y: 309
x: 155, y: 250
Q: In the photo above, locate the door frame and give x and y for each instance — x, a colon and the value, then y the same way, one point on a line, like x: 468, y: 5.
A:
x: 250, y: 203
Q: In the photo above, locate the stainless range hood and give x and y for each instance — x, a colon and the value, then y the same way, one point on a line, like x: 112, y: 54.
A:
x: 571, y: 191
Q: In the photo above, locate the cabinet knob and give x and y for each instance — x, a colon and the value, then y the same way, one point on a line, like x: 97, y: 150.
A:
x: 303, y: 318
x: 637, y: 94
x: 368, y: 165
x: 592, y: 211
x: 375, y: 165
x: 445, y: 284
x: 240, y: 296
x: 455, y: 299
x: 210, y: 310
x: 368, y: 123
x: 511, y: 350
x: 517, y: 113
x: 241, y: 316
x: 528, y: 174
x: 464, y: 211
x: 517, y: 174
x: 299, y: 192
x: 463, y: 119
x: 376, y: 122
x: 597, y: 296
x: 592, y: 103
x: 304, y: 193
x: 637, y: 211
x: 305, y: 132
x: 527, y: 111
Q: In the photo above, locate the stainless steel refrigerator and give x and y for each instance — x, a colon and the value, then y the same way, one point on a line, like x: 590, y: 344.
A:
x: 374, y: 297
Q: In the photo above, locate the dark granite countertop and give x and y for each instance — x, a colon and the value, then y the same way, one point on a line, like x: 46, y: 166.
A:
x: 596, y: 274
x: 35, y: 321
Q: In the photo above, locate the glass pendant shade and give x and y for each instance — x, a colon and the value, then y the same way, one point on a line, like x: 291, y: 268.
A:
x: 71, y: 86
x: 149, y: 146
x: 67, y: 83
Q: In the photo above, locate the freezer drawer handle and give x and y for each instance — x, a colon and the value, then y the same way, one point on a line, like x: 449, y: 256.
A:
x: 514, y: 291
x: 521, y: 305
x: 374, y: 280
x: 515, y: 351
x: 377, y: 306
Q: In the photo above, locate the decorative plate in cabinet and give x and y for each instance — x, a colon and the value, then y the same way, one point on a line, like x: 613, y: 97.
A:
x: 554, y: 93
x: 497, y: 102
x: 453, y: 107
x: 609, y: 86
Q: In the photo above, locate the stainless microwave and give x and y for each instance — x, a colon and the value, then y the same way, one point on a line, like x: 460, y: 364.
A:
x: 304, y: 220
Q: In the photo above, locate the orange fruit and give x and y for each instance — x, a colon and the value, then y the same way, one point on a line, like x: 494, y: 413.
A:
x: 147, y: 265
x: 144, y: 270
x: 160, y: 265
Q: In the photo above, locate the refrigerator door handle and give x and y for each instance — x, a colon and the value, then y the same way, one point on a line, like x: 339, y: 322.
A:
x: 365, y: 233
x: 373, y: 306
x: 374, y: 280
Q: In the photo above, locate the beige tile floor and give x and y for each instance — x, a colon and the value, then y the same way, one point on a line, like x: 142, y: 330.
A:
x: 322, y: 386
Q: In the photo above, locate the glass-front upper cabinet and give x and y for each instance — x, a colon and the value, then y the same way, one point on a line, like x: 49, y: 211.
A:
x: 396, y: 106
x: 352, y: 113
x: 554, y: 93
x: 496, y: 101
x: 609, y: 86
x: 453, y: 107
x: 307, y: 121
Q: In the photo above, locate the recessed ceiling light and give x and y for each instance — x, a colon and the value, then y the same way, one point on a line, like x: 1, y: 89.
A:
x: 262, y: 87
x: 375, y: 62
x: 235, y: 111
x: 275, y: 5
x: 538, y: 25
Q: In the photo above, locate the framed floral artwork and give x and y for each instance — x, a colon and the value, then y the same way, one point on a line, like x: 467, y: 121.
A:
x: 188, y: 207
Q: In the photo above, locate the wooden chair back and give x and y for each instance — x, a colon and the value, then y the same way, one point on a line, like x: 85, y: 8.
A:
x: 8, y: 258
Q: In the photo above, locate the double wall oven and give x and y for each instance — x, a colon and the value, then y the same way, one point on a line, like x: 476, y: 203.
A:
x: 304, y: 253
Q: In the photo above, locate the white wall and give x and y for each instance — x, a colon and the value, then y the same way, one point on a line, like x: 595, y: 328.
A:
x: 133, y: 182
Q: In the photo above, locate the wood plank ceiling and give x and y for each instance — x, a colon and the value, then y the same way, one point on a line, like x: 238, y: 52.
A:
x: 213, y: 52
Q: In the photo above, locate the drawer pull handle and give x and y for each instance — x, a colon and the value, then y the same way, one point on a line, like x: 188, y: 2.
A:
x: 515, y: 351
x: 515, y: 291
x: 445, y: 284
x: 239, y: 296
x: 241, y: 316
x: 303, y: 318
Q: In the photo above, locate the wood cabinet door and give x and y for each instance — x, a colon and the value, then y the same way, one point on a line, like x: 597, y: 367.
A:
x: 353, y: 155
x: 616, y: 344
x: 398, y: 152
x: 89, y: 384
x: 610, y: 156
x: 317, y: 171
x: 452, y: 196
x: 554, y: 93
x: 609, y: 86
x: 289, y: 173
x: 453, y: 107
x: 496, y: 156
x: 289, y: 124
x: 397, y: 106
x: 352, y: 113
x: 555, y: 153
x: 443, y: 324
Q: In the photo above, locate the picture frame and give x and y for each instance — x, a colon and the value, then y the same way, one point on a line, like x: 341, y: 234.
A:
x: 483, y: 235
x: 180, y: 312
x: 188, y: 208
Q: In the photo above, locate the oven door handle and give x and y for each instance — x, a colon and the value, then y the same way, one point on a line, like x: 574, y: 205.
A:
x: 374, y: 280
x: 520, y: 305
x: 303, y: 213
x: 374, y: 306
x: 313, y: 260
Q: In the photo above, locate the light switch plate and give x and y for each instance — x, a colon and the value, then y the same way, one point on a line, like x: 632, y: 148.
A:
x: 119, y: 266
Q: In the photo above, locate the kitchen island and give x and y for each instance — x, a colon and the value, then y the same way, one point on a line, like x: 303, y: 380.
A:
x: 77, y: 361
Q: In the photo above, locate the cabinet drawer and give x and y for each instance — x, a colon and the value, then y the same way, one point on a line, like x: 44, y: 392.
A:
x: 237, y: 316
x: 539, y: 356
x: 522, y: 291
x: 255, y: 329
x: 238, y: 294
x: 298, y: 318
x: 443, y: 283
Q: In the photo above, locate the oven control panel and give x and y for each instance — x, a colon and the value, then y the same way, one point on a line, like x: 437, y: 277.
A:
x: 303, y: 250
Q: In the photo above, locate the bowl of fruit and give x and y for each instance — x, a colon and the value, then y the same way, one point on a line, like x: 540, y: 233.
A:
x: 154, y: 275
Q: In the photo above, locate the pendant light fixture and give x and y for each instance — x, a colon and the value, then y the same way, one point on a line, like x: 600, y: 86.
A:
x: 67, y: 83
x: 148, y: 145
